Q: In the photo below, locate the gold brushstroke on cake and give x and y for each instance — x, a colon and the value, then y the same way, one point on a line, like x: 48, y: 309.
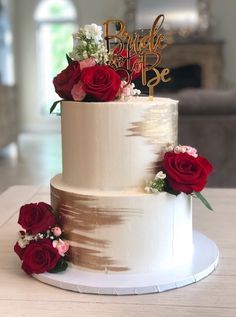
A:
x: 80, y: 216
x: 91, y: 259
x: 159, y: 127
x: 73, y: 236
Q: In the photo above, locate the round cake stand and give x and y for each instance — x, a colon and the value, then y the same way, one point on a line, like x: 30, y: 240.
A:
x: 203, y: 261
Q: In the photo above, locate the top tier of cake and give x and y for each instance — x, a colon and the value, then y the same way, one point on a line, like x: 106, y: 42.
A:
x: 115, y: 145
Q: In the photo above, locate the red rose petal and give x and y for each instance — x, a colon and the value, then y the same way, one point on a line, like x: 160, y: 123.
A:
x: 186, y: 173
x: 39, y: 257
x: 36, y: 217
x: 65, y: 81
x: 101, y: 82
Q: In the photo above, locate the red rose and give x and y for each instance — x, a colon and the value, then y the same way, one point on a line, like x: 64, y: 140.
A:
x: 65, y: 81
x: 186, y: 173
x: 19, y: 251
x: 135, y: 66
x: 101, y: 82
x: 36, y: 217
x: 40, y: 256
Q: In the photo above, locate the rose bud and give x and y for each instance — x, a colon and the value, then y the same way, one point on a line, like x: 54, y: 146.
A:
x: 61, y: 246
x: 56, y: 231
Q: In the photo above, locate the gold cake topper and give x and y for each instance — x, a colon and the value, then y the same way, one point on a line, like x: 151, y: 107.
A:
x: 124, y: 48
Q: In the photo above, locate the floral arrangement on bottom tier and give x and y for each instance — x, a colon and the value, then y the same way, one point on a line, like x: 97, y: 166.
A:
x: 40, y: 245
x: 182, y: 170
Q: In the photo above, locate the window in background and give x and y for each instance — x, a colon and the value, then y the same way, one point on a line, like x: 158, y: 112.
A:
x: 6, y: 49
x: 56, y: 21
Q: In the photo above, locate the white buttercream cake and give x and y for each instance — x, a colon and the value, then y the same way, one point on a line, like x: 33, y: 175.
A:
x: 110, y: 151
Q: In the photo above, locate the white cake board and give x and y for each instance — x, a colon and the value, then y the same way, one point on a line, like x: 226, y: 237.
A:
x: 203, y: 261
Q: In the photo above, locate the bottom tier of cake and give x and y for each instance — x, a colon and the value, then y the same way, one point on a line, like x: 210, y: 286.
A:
x: 123, y: 232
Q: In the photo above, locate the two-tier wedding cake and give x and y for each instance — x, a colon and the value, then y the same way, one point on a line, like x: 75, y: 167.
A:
x: 120, y: 219
x: 109, y: 153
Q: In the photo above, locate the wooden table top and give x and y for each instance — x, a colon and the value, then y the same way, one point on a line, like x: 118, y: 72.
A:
x: 22, y: 295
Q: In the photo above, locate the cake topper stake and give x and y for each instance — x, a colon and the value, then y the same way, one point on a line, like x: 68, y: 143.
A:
x: 123, y: 47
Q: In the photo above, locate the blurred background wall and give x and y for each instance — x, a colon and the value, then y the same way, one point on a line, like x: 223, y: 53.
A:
x: 223, y: 18
x: 24, y: 26
x: 26, y: 54
x: 36, y: 34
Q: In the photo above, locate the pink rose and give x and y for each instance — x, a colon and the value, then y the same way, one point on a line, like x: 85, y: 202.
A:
x: 61, y: 246
x: 127, y: 90
x: 56, y: 231
x: 87, y: 63
x: 190, y: 150
x: 78, y: 92
x: 186, y: 149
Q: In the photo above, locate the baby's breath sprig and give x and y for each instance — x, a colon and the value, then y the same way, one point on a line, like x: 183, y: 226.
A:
x: 88, y: 43
x: 157, y: 184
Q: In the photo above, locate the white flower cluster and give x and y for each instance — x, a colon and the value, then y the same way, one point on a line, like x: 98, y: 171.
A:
x: 169, y: 147
x: 88, y: 42
x: 92, y: 32
x: 25, y: 238
x: 160, y: 175
x: 136, y: 92
x: 157, y: 184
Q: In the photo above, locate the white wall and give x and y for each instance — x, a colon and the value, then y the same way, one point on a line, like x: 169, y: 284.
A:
x: 223, y: 14
x: 89, y: 11
x: 97, y: 11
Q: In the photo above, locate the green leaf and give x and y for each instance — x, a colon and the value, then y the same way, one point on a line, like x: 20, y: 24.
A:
x: 69, y: 60
x: 54, y: 105
x: 172, y: 191
x: 203, y: 200
x: 60, y: 267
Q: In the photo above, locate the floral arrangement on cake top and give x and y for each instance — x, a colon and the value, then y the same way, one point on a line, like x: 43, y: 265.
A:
x: 182, y: 170
x: 88, y: 77
x: 40, y: 245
